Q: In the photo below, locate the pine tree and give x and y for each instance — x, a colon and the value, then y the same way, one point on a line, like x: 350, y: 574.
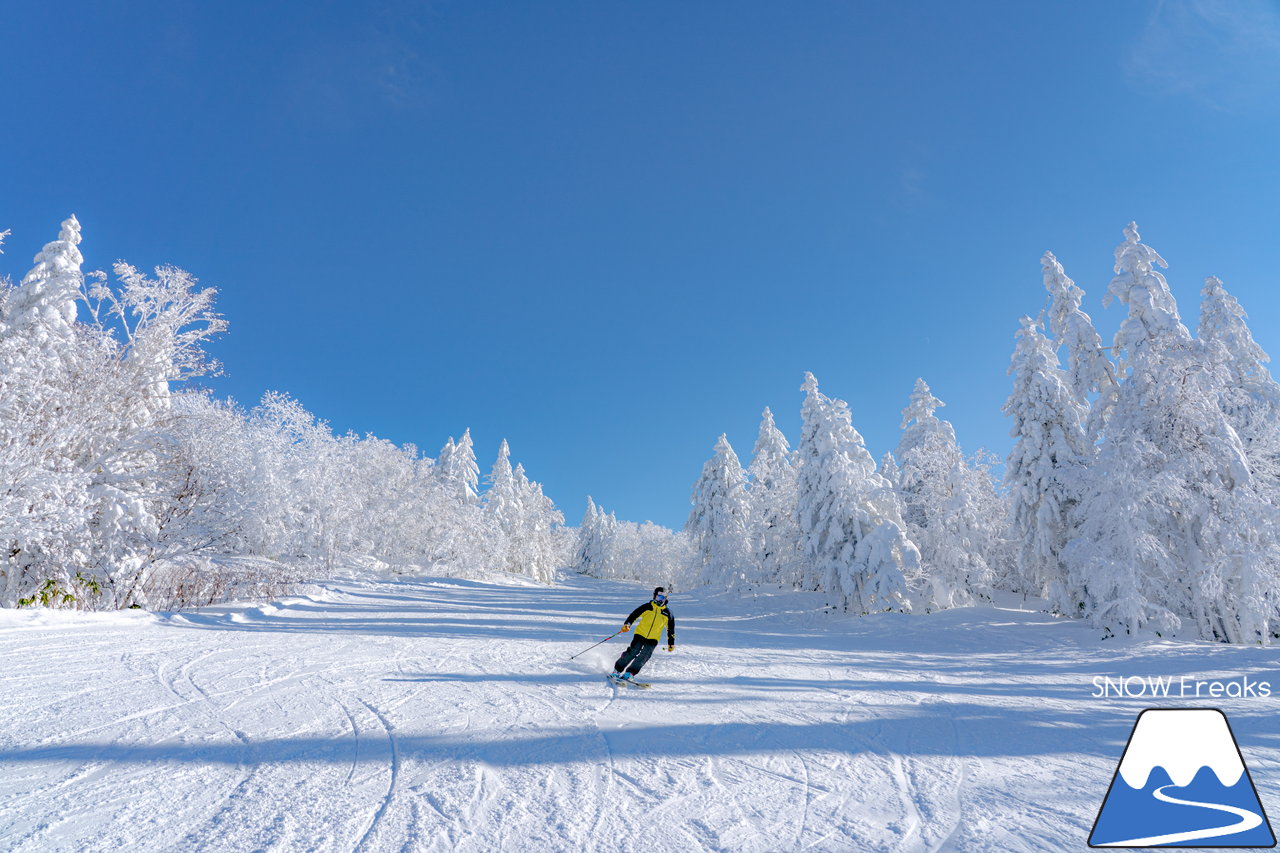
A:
x: 1124, y: 549
x: 1043, y: 470
x: 1089, y: 372
x: 940, y: 504
x: 719, y: 518
x: 856, y: 546
x: 502, y: 507
x: 45, y: 432
x: 613, y: 563
x: 1174, y: 527
x: 45, y: 302
x: 458, y: 469
x: 889, y: 469
x: 1251, y: 398
x: 535, y: 532
x: 775, y: 538
x: 587, y: 559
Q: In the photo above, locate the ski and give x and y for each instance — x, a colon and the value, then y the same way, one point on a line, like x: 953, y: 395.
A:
x: 643, y: 685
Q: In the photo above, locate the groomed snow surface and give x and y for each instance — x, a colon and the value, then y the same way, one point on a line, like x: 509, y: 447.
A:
x: 443, y: 715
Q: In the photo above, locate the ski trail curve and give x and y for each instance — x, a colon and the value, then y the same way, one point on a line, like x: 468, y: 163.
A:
x: 1248, y: 820
x: 395, y: 774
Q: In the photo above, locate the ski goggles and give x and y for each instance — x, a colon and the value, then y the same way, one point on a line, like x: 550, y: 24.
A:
x: 660, y: 599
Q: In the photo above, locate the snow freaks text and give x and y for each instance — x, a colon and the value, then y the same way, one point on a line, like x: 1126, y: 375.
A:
x: 1178, y: 687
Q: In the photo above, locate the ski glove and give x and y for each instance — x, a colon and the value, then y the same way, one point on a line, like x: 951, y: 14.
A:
x: 625, y: 629
x: 671, y: 648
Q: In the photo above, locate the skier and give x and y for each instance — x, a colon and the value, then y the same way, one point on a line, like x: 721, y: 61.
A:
x: 654, y: 615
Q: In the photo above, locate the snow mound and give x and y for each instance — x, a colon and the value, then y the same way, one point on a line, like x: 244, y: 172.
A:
x: 44, y: 617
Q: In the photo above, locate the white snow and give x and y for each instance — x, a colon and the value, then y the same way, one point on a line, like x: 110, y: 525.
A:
x: 1181, y: 742
x: 442, y: 715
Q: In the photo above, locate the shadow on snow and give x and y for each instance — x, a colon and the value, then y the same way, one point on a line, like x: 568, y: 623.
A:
x: 934, y: 730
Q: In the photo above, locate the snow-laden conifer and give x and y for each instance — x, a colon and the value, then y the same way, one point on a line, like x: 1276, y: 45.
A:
x: 775, y: 538
x: 535, y: 537
x: 1153, y: 322
x: 1174, y: 527
x: 940, y: 505
x: 458, y: 469
x: 522, y: 519
x: 46, y: 431
x: 718, y: 521
x: 1251, y: 398
x: 855, y: 542
x: 587, y: 552
x: 648, y: 553
x: 1125, y: 550
x: 45, y: 301
x: 889, y: 469
x: 1044, y: 469
x: 1089, y: 372
x: 1223, y: 320
x: 502, y: 507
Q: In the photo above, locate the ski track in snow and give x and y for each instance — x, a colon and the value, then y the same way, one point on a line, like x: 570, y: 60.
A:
x: 444, y: 715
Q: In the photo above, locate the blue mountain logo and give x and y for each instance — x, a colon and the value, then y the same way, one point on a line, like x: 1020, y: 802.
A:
x: 1182, y: 782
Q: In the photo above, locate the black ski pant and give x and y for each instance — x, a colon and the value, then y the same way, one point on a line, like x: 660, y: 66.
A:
x: 636, y: 655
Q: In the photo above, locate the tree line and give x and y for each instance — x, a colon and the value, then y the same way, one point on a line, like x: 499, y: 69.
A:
x: 122, y: 485
x: 1141, y: 491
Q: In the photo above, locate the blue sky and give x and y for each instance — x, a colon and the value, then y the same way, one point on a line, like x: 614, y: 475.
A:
x: 610, y: 231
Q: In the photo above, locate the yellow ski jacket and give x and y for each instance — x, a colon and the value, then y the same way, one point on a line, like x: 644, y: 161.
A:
x: 653, y: 618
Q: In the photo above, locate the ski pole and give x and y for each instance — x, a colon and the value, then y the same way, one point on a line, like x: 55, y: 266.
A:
x: 589, y: 648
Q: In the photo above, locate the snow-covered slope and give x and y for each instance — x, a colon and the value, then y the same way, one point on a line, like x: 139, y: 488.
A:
x: 441, y: 715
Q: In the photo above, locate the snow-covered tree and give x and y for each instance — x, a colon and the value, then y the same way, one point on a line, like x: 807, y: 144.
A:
x: 121, y: 486
x: 535, y: 532
x: 652, y: 555
x: 92, y: 391
x: 1174, y: 527
x: 856, y: 546
x: 1251, y: 398
x: 1089, y: 372
x: 646, y: 552
x: 523, y: 520
x: 458, y: 469
x: 44, y: 507
x: 1043, y: 470
x: 889, y: 469
x: 589, y: 547
x: 774, y: 536
x: 991, y: 507
x: 941, y: 506
x: 44, y: 305
x: 502, y: 505
x: 719, y: 519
